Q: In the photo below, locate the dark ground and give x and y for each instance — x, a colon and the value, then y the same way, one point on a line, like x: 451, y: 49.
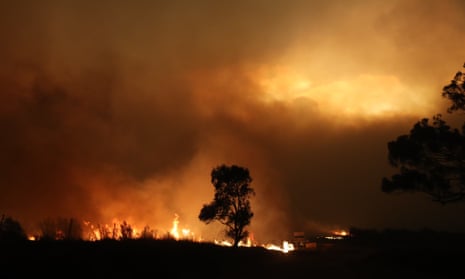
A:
x: 387, y: 255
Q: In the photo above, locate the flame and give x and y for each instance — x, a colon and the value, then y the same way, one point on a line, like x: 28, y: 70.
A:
x: 285, y: 248
x: 341, y: 233
x: 223, y: 243
x: 338, y: 234
x: 185, y: 233
x: 122, y: 230
x: 174, y: 230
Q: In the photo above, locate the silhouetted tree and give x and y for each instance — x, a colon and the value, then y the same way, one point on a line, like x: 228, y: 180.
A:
x: 11, y: 229
x: 455, y: 92
x: 231, y: 202
x: 431, y: 159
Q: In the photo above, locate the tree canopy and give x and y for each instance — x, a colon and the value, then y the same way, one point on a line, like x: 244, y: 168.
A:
x: 455, y: 92
x: 431, y: 158
x: 231, y: 202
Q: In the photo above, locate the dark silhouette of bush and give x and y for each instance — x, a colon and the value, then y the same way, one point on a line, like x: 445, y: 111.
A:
x: 60, y: 229
x: 147, y: 233
x: 11, y: 229
x: 126, y: 231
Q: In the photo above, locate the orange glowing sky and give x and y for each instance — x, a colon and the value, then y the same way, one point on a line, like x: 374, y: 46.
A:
x: 122, y: 108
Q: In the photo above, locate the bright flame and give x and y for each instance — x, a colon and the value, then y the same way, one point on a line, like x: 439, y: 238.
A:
x: 174, y: 230
x: 223, y: 243
x: 341, y: 233
x: 285, y: 248
x: 177, y: 233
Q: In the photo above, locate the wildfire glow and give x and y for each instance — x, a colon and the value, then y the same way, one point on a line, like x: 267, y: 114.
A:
x: 123, y: 230
x: 365, y: 95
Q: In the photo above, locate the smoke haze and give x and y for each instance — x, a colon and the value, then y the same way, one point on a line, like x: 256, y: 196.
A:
x: 117, y: 109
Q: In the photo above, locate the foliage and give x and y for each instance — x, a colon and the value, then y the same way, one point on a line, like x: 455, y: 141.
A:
x: 11, y: 229
x: 231, y: 202
x: 455, y: 92
x: 431, y: 158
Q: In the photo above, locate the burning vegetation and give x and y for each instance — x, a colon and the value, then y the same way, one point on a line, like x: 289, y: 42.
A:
x: 72, y: 229
x: 230, y: 207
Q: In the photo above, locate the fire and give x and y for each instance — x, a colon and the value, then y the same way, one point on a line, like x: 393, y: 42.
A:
x: 185, y: 233
x: 285, y: 248
x: 121, y: 230
x: 338, y: 234
x: 174, y: 230
x: 247, y: 243
x: 341, y: 233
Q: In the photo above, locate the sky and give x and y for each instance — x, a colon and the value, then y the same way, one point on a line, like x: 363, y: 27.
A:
x: 121, y: 109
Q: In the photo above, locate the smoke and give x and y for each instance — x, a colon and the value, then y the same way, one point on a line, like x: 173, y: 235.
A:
x: 120, y: 110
